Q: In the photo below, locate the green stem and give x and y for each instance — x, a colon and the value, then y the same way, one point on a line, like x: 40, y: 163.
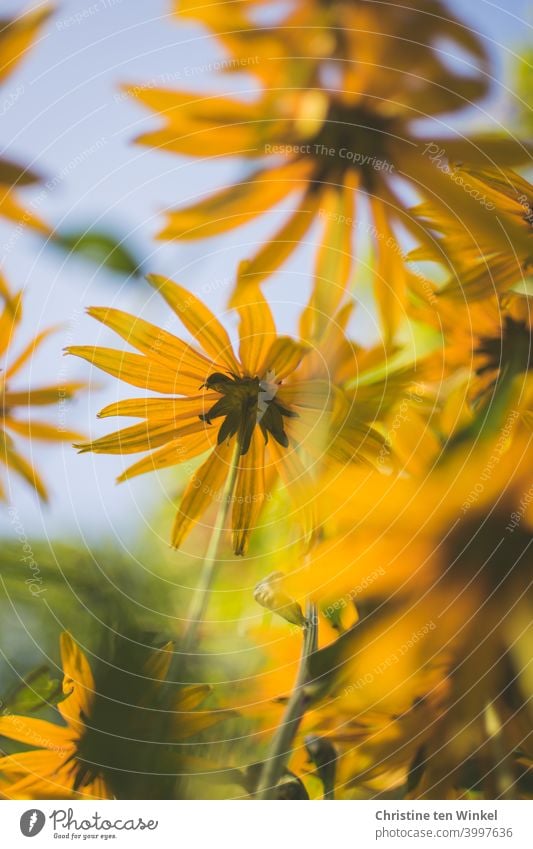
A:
x: 280, y: 748
x: 202, y: 592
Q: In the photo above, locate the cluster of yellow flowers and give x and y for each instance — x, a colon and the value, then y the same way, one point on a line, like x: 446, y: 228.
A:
x: 403, y: 669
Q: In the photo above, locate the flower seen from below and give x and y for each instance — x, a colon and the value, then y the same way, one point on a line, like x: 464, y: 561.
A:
x: 329, y: 127
x: 272, y: 414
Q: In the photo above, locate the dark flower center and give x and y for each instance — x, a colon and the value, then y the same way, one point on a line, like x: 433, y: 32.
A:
x: 244, y: 403
x: 353, y: 137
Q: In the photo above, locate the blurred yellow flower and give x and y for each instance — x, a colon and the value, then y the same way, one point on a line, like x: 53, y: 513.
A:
x: 484, y: 343
x: 272, y: 413
x: 14, y: 401
x: 436, y: 677
x: 16, y: 37
x: 99, y: 747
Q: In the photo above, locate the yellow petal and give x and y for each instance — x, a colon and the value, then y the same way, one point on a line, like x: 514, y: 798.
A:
x: 11, y: 209
x: 279, y: 247
x: 142, y: 437
x: 176, y: 452
x: 158, y: 663
x: 161, y: 408
x: 78, y: 681
x: 136, y: 370
x: 190, y: 697
x: 153, y: 341
x: 29, y: 351
x: 13, y: 460
x: 11, y: 316
x: 41, y: 430
x: 35, y: 732
x: 285, y: 356
x: 249, y: 495
x: 297, y: 483
x: 235, y: 205
x: 43, y: 396
x: 18, y: 35
x: 257, y: 330
x: 390, y: 276
x: 334, y: 261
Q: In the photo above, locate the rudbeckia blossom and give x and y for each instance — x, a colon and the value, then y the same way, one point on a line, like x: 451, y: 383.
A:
x: 110, y: 742
x: 18, y: 402
x: 488, y: 249
x: 258, y: 413
x: 327, y: 128
x: 16, y: 38
x: 484, y: 343
x: 442, y: 569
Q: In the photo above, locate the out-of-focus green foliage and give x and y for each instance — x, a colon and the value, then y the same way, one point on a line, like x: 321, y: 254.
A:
x: 101, y: 248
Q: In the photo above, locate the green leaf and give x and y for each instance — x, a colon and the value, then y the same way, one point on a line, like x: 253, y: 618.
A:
x: 101, y: 248
x: 37, y: 690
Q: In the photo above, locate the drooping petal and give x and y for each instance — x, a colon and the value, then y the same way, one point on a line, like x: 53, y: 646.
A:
x: 284, y: 357
x: 280, y: 246
x: 390, y: 276
x: 14, y: 460
x: 203, y: 490
x: 176, y: 452
x: 158, y: 663
x: 297, y: 482
x: 334, y: 260
x: 191, y: 697
x: 249, y: 496
x: 11, y: 315
x: 11, y: 209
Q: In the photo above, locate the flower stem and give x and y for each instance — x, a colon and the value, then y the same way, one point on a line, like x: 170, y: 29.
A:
x: 280, y: 748
x: 202, y: 592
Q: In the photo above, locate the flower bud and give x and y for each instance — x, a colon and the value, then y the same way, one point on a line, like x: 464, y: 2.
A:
x: 268, y: 593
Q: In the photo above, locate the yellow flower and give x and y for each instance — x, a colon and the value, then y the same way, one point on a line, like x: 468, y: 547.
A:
x: 488, y: 249
x: 14, y: 401
x: 110, y: 742
x: 16, y: 38
x: 256, y: 414
x: 438, y: 669
x: 326, y: 128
